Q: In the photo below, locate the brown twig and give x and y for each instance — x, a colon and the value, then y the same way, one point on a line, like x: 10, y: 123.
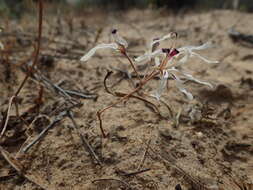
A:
x: 98, y: 34
x: 172, y: 163
x: 112, y: 179
x: 36, y: 57
x: 124, y: 97
x: 137, y: 172
x: 40, y: 5
x: 19, y: 168
x: 81, y: 94
x: 58, y: 89
x: 57, y: 119
x: 7, y: 116
x: 144, y: 155
x: 85, y: 142
x: 132, y: 64
x: 66, y: 93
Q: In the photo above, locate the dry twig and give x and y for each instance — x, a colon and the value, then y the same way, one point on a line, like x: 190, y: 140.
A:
x: 19, y: 168
x: 144, y: 155
x: 112, y: 179
x: 36, y: 57
x: 195, y: 183
x: 85, y: 142
x: 57, y: 119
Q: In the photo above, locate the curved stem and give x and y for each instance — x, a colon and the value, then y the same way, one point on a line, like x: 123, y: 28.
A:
x: 152, y: 75
x: 36, y: 57
x: 132, y: 64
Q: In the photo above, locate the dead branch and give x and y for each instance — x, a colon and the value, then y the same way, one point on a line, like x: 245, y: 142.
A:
x: 85, y: 142
x: 7, y: 116
x: 19, y: 168
x: 136, y: 173
x: 112, y: 179
x: 57, y: 119
x: 40, y: 7
x: 172, y: 163
x: 144, y: 155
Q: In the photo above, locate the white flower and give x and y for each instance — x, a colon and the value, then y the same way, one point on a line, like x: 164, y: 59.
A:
x: 119, y: 44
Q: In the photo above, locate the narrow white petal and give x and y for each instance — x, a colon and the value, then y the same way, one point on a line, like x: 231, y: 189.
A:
x: 203, y: 58
x: 173, y: 69
x: 157, y: 62
x: 162, y: 85
x: 161, y: 39
x: 190, y: 77
x: 181, y: 61
x: 148, y: 56
x: 201, y: 47
x: 181, y: 88
x: 118, y: 39
x: 100, y: 46
x: 156, y: 96
x: 184, y: 91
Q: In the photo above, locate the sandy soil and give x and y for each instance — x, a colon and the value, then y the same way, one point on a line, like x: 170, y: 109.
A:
x: 213, y: 152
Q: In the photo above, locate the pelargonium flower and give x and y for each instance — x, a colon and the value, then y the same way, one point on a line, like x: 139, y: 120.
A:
x: 177, y: 57
x: 119, y: 44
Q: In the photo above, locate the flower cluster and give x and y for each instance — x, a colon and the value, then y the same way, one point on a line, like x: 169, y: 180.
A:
x: 168, y: 61
x: 171, y: 69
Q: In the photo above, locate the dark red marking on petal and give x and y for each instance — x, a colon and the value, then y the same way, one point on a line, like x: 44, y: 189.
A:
x: 173, y: 52
x: 165, y: 50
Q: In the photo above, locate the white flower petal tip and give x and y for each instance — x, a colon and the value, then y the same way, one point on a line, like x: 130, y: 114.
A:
x: 160, y: 39
x: 90, y: 53
x: 203, y: 58
x: 204, y: 46
x: 191, y: 78
x: 162, y: 85
x: 201, y: 47
x: 118, y: 39
x: 156, y: 96
x: 157, y: 62
x: 142, y: 57
x: 186, y: 93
